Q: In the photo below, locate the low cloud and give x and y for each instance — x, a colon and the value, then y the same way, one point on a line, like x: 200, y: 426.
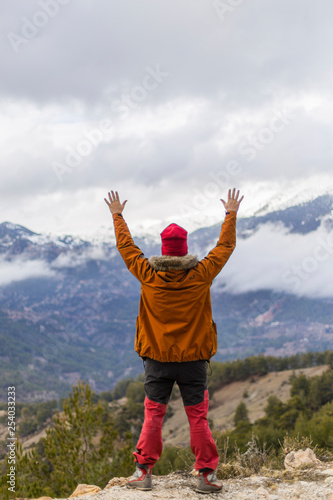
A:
x: 272, y: 258
x: 20, y: 269
x: 277, y: 260
x: 75, y: 259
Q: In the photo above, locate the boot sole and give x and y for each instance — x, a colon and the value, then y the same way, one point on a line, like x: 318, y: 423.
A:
x: 208, y: 492
x: 132, y: 487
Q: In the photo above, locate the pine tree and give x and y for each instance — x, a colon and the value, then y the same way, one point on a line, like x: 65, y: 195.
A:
x: 241, y: 414
x: 82, y: 446
x: 69, y: 445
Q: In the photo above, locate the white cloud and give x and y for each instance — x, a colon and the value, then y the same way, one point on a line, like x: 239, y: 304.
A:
x: 274, y: 259
x: 19, y: 269
x: 75, y: 259
x: 225, y: 81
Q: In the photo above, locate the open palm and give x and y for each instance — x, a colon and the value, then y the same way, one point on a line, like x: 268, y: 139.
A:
x: 232, y: 205
x: 114, y: 204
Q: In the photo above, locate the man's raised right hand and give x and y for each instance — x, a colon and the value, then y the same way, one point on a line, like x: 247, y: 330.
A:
x: 232, y: 205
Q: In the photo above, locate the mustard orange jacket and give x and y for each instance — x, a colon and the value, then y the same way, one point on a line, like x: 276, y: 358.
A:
x: 175, y: 315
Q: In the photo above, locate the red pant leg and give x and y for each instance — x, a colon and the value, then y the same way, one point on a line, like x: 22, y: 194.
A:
x: 150, y: 443
x: 202, y: 442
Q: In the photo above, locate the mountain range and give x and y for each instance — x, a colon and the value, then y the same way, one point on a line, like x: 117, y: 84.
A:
x: 68, y: 306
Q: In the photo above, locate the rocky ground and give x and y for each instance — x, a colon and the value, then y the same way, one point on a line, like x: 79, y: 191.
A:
x: 304, y: 477
x: 180, y: 485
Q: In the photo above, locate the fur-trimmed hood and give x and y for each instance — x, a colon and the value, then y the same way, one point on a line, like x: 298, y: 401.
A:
x: 168, y: 262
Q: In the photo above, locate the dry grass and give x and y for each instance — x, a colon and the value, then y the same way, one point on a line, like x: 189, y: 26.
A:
x: 244, y: 464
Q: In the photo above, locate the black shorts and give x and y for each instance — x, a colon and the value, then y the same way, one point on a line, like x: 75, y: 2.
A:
x: 191, y: 377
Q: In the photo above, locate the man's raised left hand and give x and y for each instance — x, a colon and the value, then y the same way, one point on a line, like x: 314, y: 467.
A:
x: 114, y: 204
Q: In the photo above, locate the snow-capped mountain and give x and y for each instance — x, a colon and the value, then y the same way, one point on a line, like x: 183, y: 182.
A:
x: 264, y: 198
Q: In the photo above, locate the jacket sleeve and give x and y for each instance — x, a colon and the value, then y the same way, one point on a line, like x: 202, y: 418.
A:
x: 210, y: 266
x: 132, y: 255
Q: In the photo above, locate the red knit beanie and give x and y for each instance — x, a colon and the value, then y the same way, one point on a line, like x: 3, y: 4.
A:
x: 174, y: 241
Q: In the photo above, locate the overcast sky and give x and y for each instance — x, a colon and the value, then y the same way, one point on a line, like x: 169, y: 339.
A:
x: 169, y: 102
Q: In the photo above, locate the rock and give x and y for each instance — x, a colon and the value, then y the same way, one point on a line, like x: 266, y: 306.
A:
x: 241, y: 496
x: 262, y: 492
x: 256, y: 479
x: 327, y: 472
x: 116, y: 481
x: 329, y: 480
x: 39, y: 498
x: 85, y: 489
x: 296, y: 459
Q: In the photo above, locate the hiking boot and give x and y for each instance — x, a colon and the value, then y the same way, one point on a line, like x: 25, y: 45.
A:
x: 141, y: 479
x: 207, y: 482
